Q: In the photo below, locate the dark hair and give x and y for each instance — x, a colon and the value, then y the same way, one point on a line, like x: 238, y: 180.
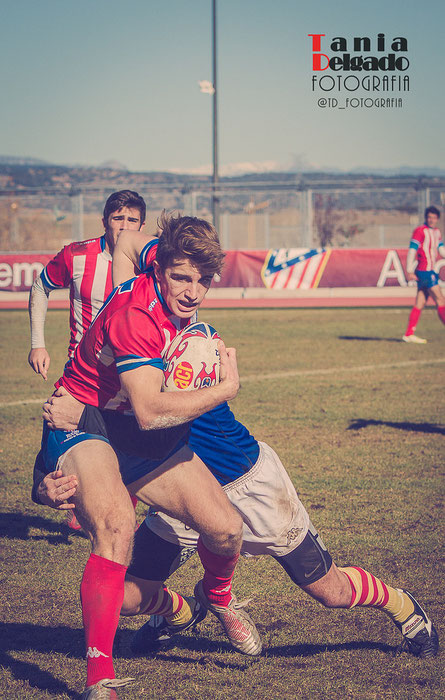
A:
x: 124, y: 198
x: 189, y: 237
x: 432, y: 210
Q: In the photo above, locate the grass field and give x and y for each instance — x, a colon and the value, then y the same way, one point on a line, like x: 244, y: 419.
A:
x: 357, y: 418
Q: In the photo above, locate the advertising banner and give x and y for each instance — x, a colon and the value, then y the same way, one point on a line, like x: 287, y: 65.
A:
x: 299, y: 268
x: 19, y: 270
x: 285, y: 268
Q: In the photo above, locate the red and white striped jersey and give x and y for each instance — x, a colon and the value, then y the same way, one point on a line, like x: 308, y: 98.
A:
x: 134, y: 328
x: 84, y: 267
x: 426, y: 242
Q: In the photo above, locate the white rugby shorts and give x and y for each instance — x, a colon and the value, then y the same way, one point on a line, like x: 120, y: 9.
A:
x: 275, y: 520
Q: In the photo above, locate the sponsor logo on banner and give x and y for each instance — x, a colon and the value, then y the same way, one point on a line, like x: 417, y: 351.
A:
x: 294, y: 268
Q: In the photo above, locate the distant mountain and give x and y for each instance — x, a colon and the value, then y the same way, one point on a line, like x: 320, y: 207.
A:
x: 18, y: 174
x: 112, y: 165
x: 299, y: 165
x: 22, y: 160
x: 413, y: 171
x: 363, y: 188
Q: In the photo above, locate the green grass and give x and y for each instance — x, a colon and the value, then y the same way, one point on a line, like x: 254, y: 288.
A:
x: 362, y: 436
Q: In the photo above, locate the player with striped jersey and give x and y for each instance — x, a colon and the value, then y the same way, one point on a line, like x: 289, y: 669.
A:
x: 85, y: 268
x: 425, y: 247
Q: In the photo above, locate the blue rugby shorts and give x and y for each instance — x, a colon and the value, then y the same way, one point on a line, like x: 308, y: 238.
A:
x: 56, y: 444
x: 427, y: 279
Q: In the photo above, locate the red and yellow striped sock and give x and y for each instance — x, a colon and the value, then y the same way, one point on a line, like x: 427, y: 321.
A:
x: 370, y: 591
x: 171, y: 605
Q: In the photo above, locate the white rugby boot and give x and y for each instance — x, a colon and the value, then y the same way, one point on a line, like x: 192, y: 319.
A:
x: 414, y: 339
x: 236, y: 622
x: 105, y: 689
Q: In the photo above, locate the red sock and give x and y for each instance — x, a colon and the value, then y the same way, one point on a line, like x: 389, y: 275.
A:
x: 413, y: 320
x: 101, y: 594
x: 217, y: 581
x: 441, y: 312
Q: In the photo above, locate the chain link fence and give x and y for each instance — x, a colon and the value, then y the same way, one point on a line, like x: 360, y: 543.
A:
x: 256, y: 218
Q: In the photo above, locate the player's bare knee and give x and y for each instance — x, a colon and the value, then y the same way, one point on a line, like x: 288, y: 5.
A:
x: 224, y: 543
x: 114, y: 527
x: 231, y: 536
x: 235, y: 525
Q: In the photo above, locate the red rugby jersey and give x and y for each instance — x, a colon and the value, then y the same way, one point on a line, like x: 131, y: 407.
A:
x: 426, y: 242
x: 133, y: 328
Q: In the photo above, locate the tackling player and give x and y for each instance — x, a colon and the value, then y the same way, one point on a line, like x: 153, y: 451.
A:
x: 275, y: 523
x: 118, y: 367
x: 425, y: 246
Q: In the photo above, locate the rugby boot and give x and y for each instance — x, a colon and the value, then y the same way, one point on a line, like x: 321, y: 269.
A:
x: 414, y: 339
x: 157, y: 633
x: 236, y: 622
x: 105, y: 689
x: 420, y: 637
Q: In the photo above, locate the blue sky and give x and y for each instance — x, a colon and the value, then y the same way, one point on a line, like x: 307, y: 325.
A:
x: 85, y: 81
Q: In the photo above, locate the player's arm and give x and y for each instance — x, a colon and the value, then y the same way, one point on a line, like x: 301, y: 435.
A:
x: 56, y: 275
x: 155, y: 409
x: 126, y: 255
x: 441, y: 249
x: 411, y: 258
x: 38, y: 357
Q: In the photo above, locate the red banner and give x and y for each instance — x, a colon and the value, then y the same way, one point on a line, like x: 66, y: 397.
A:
x: 19, y: 270
x: 285, y: 268
x: 301, y: 268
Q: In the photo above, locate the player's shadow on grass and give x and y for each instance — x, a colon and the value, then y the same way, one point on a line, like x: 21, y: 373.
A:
x: 69, y: 642
x: 200, y: 644
x: 39, y: 640
x: 365, y: 337
x: 302, y: 650
x: 432, y: 428
x: 20, y: 526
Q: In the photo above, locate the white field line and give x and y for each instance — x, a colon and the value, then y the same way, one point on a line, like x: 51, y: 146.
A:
x: 289, y: 373
x: 23, y: 402
x: 337, y: 370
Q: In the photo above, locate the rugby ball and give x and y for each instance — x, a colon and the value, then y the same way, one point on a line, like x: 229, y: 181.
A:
x: 192, y: 359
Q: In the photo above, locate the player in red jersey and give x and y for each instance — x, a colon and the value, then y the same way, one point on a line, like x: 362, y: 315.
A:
x: 118, y: 366
x: 84, y: 267
x: 425, y: 246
